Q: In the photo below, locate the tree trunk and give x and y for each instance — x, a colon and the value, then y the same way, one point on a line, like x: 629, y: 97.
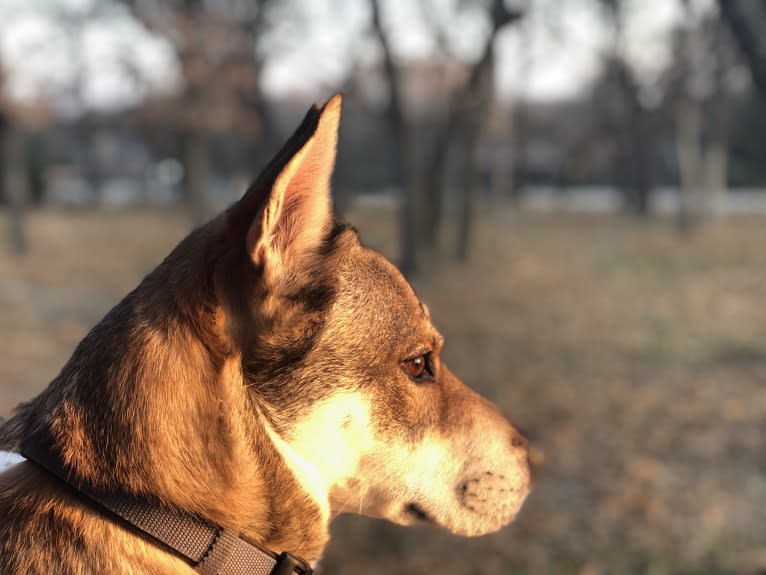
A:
x: 476, y: 103
x: 437, y: 177
x: 36, y: 162
x: 689, y: 164
x: 716, y: 156
x: 197, y: 176
x: 468, y: 193
x: 689, y: 128
x: 640, y: 179
x: 716, y: 161
x: 632, y: 141
x: 637, y: 184
x: 86, y: 132
x: 503, y: 148
x: 473, y: 122
x: 463, y: 111
x: 16, y: 187
x: 408, y: 220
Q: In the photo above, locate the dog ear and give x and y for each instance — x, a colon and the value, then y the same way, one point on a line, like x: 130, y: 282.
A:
x: 296, y: 214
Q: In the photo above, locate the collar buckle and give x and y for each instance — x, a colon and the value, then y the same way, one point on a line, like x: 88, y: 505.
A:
x: 288, y: 564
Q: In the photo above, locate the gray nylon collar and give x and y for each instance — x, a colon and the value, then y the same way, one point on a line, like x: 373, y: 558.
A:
x: 209, y: 548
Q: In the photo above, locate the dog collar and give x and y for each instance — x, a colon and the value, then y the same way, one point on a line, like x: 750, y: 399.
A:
x: 209, y: 548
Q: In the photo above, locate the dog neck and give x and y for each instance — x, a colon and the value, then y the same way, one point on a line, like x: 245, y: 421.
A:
x: 149, y: 405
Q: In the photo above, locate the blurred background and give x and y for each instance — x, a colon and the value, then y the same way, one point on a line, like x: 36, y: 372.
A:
x: 576, y: 187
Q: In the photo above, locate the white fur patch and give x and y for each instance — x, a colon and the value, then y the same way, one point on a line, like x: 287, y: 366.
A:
x: 335, y: 435
x: 325, y: 447
x: 307, y: 474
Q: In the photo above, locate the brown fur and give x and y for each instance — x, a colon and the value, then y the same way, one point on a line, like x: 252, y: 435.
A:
x: 254, y: 319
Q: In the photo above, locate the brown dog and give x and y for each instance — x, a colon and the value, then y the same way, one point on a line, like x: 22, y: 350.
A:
x: 271, y: 373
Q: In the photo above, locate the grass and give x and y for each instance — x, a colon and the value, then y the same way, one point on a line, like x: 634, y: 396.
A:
x: 634, y: 360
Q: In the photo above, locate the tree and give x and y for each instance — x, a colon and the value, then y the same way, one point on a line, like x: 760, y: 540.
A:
x: 717, y: 114
x: 406, y: 157
x: 14, y: 165
x: 697, y: 94
x: 425, y: 183
x: 220, y: 69
x: 632, y: 142
x: 474, y: 102
x: 467, y: 106
x: 689, y: 124
x: 11, y: 186
x: 746, y: 20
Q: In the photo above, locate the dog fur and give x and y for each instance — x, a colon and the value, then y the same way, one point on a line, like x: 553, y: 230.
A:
x: 270, y: 374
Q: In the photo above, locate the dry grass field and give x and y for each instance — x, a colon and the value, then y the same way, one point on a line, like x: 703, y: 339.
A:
x: 635, y: 361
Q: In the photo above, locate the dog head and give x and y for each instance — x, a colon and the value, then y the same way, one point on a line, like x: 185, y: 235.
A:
x: 346, y: 365
x: 273, y: 372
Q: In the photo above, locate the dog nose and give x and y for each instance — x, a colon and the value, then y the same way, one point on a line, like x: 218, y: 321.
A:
x: 518, y: 440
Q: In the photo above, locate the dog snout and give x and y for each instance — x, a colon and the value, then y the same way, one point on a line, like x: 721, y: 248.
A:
x: 493, y: 494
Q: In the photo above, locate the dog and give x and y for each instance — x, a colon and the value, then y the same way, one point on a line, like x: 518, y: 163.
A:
x: 271, y: 373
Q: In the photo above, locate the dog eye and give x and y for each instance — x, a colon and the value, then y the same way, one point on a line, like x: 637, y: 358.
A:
x: 418, y: 368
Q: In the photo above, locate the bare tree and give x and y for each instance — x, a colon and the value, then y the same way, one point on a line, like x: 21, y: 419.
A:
x: 633, y: 137
x: 689, y: 124
x: 406, y: 157
x: 425, y: 185
x: 699, y: 95
x: 220, y: 71
x: 13, y: 182
x: 466, y: 107
x: 717, y: 149
x: 255, y: 23
x: 73, y: 20
x: 473, y: 104
x: 746, y: 20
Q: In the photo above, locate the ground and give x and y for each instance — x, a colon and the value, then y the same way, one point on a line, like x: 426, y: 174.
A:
x: 634, y: 360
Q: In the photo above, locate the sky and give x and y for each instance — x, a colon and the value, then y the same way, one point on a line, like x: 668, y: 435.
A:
x: 553, y: 54
x: 558, y: 50
x: 117, y: 59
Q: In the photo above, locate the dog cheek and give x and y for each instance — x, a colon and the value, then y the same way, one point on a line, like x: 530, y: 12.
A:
x: 403, y: 472
x: 335, y: 436
x: 403, y: 409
